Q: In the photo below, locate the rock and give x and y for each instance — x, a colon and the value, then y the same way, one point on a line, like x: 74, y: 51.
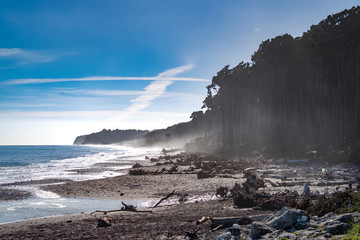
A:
x: 311, y: 233
x: 337, y: 224
x: 104, y: 222
x: 306, y: 190
x: 224, y: 236
x: 345, y: 218
x: 288, y: 218
x: 286, y: 235
x: 337, y: 227
x: 259, y: 228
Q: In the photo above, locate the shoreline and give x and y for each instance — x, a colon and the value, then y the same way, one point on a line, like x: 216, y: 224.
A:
x: 189, y: 175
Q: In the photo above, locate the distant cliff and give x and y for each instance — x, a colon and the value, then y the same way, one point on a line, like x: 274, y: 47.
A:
x: 109, y: 136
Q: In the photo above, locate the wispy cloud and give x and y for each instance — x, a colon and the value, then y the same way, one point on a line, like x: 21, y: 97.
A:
x: 86, y: 114
x: 22, y: 56
x: 15, y: 105
x: 125, y: 93
x: 156, y: 88
x: 102, y: 92
x: 168, y: 75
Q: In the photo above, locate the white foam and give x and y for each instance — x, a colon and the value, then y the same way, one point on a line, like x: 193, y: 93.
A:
x: 67, y: 168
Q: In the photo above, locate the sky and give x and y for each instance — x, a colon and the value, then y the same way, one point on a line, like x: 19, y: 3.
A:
x: 73, y: 67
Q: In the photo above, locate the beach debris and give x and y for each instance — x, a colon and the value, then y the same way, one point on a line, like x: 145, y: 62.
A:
x: 242, y: 200
x: 164, y: 198
x: 202, y: 220
x: 126, y: 207
x: 204, y: 174
x: 228, y: 222
x: 130, y: 207
x: 104, y: 222
x: 192, y: 235
x: 253, y: 183
x: 222, y: 191
x: 271, y: 204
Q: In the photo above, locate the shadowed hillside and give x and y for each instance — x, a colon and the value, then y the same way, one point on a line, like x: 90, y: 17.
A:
x: 297, y: 95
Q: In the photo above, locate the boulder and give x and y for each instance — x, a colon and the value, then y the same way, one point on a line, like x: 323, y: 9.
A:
x: 337, y: 227
x: 259, y: 228
x: 224, y: 236
x: 288, y: 218
x: 345, y: 218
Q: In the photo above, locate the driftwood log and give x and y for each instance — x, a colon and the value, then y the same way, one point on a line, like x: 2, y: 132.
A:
x: 164, y: 198
x: 202, y: 220
x: 129, y: 208
x: 228, y: 222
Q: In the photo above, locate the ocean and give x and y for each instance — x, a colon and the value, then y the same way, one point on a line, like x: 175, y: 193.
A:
x: 33, y: 163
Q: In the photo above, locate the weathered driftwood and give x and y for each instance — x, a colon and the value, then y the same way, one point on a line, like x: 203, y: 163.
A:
x: 130, y: 208
x: 217, y: 228
x: 202, y: 220
x: 164, y: 198
x: 125, y: 207
x: 228, y: 222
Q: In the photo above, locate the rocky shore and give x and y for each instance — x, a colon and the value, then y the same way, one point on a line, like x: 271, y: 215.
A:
x: 235, y: 198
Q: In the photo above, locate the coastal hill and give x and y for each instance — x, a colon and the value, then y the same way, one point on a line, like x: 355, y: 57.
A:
x: 109, y: 136
x: 298, y: 95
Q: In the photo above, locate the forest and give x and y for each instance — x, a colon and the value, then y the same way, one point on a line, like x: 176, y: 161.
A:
x: 298, y: 96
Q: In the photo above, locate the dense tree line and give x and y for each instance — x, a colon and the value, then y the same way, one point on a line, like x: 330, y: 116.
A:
x: 110, y: 136
x: 296, y: 92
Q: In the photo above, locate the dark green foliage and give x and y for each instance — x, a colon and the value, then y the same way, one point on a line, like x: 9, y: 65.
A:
x: 110, y: 136
x: 354, y: 233
x: 297, y: 92
x: 339, y: 202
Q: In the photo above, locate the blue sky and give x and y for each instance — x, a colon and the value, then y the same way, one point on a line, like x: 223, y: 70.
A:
x: 74, y: 67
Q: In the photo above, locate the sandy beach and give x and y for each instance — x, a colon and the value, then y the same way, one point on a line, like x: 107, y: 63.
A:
x: 193, y: 199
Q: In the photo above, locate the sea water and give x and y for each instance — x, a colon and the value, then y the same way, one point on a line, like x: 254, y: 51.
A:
x: 26, y: 164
